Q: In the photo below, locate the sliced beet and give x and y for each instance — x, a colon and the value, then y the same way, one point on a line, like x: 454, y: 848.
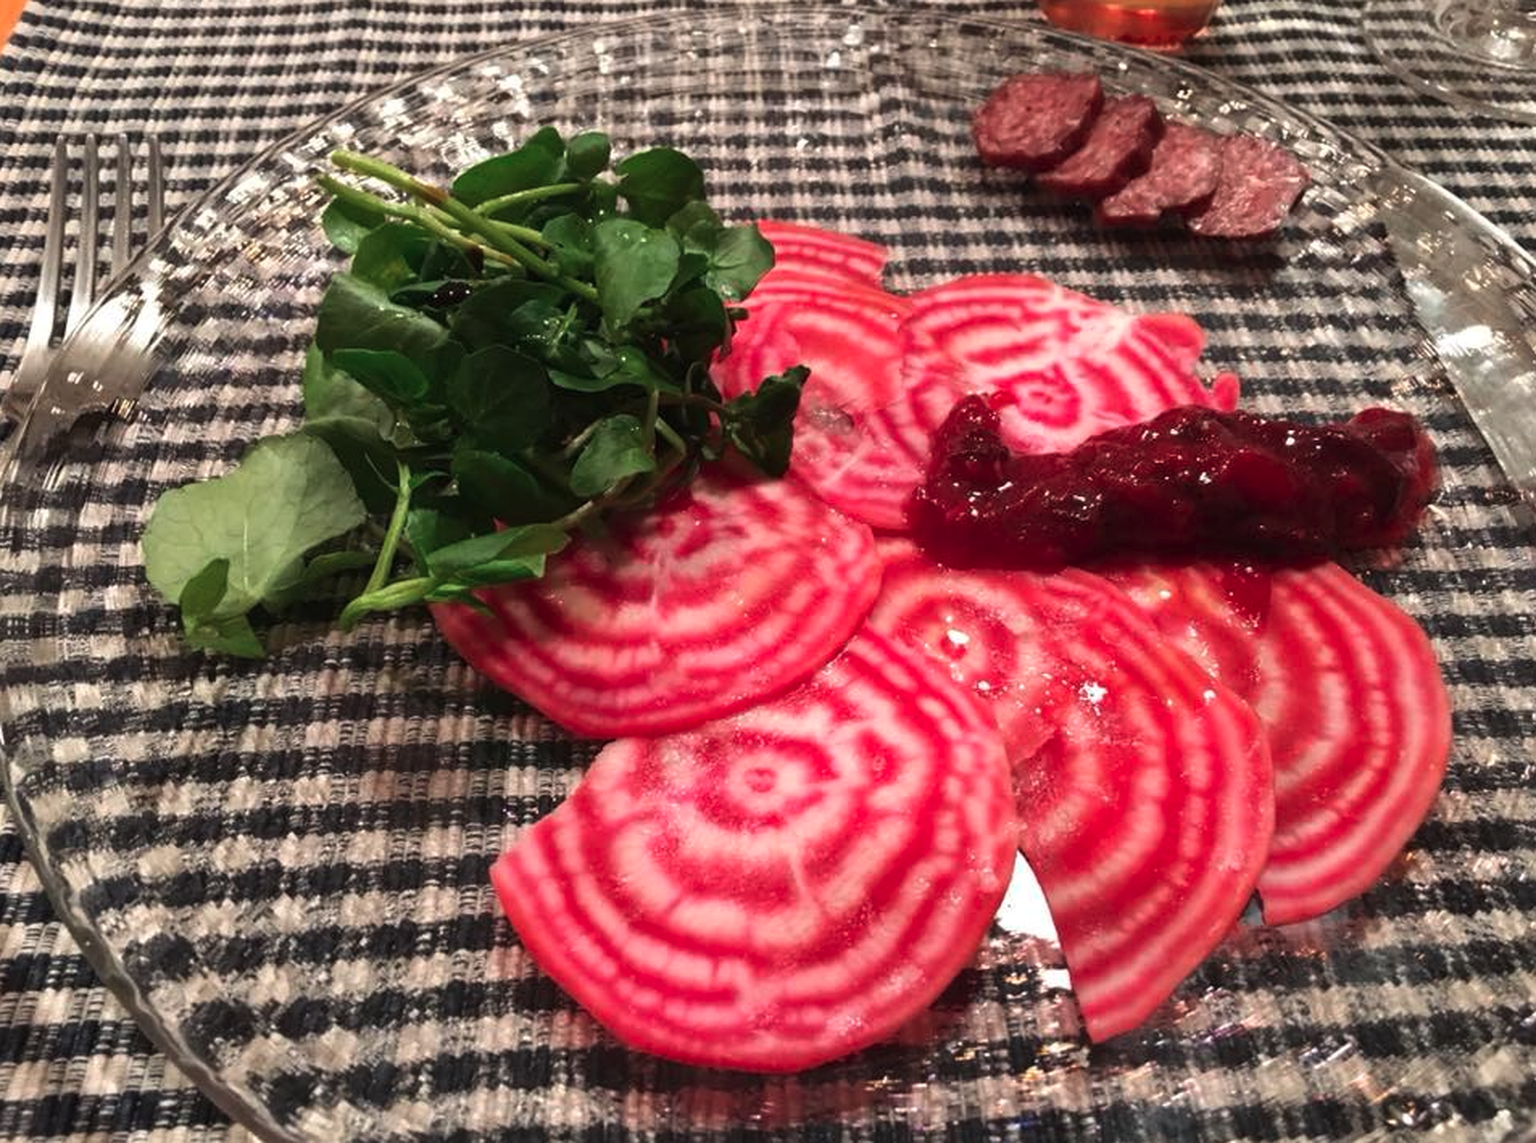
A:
x: 1057, y: 365
x: 731, y: 592
x: 849, y: 336
x: 1181, y: 177
x: 809, y: 249
x: 1350, y: 694
x: 1259, y: 183
x: 1118, y: 148
x: 846, y: 333
x: 1032, y: 122
x: 776, y: 889
x: 1145, y: 804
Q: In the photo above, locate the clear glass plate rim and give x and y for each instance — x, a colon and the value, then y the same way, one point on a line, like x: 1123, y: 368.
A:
x: 103, y: 960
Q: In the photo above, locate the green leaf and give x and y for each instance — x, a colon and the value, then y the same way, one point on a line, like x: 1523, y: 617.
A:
x: 658, y: 183
x: 737, y: 256
x: 627, y: 366
x: 442, y: 260
x: 538, y: 162
x: 329, y: 564
x: 697, y: 322
x: 286, y: 496
x: 503, y: 395
x: 616, y: 449
x: 427, y: 529
x: 346, y: 224
x: 357, y: 425
x: 761, y: 423
x: 504, y: 489
x: 229, y: 635
x: 460, y: 560
x: 571, y: 239
x: 389, y: 255
x: 331, y: 394
x: 355, y: 314
x: 203, y: 592
x: 513, y: 312
x: 587, y: 155
x: 391, y: 375
x: 633, y: 264
x: 740, y: 258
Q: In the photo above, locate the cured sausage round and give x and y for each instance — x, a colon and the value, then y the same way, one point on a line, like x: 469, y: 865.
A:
x: 1032, y: 122
x: 1117, y: 148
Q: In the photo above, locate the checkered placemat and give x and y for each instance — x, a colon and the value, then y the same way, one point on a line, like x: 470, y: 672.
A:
x: 217, y: 82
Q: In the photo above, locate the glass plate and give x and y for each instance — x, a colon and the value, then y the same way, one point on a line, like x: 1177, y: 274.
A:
x: 281, y: 867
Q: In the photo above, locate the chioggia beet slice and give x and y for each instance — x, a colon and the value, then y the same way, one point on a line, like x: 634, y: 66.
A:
x: 849, y: 336
x: 733, y: 591
x: 1056, y: 365
x: 782, y: 887
x: 809, y: 249
x: 1144, y: 788
x: 1348, y: 688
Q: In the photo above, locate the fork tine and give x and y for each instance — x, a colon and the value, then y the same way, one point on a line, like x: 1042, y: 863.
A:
x: 122, y: 206
x: 155, y: 189
x: 45, y: 311
x: 84, y: 291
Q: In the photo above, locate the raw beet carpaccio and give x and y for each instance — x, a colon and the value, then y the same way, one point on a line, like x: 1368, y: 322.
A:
x: 1119, y: 154
x: 829, y: 743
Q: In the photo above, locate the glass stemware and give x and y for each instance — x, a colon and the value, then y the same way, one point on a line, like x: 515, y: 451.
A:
x: 1477, y: 54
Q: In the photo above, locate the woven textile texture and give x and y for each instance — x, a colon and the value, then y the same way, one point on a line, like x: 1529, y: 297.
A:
x: 218, y: 82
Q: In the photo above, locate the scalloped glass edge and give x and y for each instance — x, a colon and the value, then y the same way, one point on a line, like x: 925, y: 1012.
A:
x: 1497, y: 397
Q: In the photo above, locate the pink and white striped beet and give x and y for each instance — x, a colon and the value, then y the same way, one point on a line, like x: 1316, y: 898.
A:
x: 848, y: 334
x: 1144, y: 788
x: 729, y: 593
x: 810, y: 249
x: 780, y: 888
x: 1349, y: 691
x: 1057, y: 365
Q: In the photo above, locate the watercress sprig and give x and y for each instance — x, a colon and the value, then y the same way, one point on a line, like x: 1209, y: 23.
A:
x: 504, y: 361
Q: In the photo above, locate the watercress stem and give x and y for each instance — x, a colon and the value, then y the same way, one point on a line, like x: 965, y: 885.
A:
x: 512, y: 230
x: 409, y: 212
x: 696, y: 401
x: 387, y: 549
x: 465, y: 216
x: 523, y: 197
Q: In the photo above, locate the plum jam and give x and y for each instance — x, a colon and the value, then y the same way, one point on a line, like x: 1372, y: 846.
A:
x: 1192, y: 481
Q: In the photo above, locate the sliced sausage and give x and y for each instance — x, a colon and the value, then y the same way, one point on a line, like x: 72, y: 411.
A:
x: 1259, y: 183
x: 1182, y: 177
x: 1118, y: 148
x: 1032, y: 122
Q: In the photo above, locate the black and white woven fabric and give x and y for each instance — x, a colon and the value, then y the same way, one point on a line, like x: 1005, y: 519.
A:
x: 218, y: 82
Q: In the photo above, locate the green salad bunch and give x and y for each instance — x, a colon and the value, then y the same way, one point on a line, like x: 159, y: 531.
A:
x: 504, y: 361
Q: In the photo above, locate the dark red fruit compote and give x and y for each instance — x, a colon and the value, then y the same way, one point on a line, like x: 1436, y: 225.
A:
x: 1191, y: 481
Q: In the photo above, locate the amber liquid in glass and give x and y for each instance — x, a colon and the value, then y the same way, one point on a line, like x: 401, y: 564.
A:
x: 1149, y: 23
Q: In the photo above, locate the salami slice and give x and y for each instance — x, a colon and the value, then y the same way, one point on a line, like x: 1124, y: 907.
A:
x: 734, y: 591
x: 1118, y: 147
x: 1057, y: 365
x: 1351, y: 697
x: 1145, y: 806
x: 777, y: 889
x: 1259, y: 183
x: 809, y: 249
x: 1181, y: 177
x: 1032, y: 122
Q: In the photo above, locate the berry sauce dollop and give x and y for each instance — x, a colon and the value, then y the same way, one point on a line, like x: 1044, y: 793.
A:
x: 1192, y: 481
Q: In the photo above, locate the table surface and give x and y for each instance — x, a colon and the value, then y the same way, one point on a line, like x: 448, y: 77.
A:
x: 217, y: 80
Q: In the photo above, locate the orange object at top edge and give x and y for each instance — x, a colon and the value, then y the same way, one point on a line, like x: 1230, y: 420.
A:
x: 9, y: 11
x: 1147, y: 23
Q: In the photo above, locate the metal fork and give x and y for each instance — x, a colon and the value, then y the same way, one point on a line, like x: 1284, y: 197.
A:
x: 40, y: 347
